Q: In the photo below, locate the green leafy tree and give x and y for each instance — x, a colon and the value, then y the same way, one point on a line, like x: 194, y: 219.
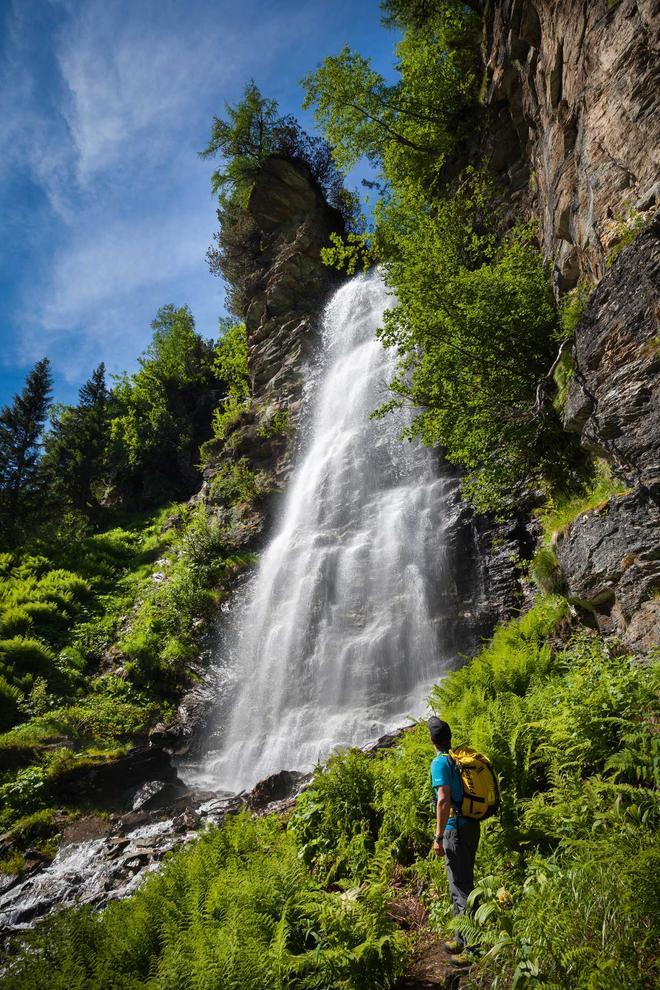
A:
x: 76, y: 446
x: 162, y: 414
x: 231, y: 367
x: 475, y: 325
x: 409, y: 127
x: 21, y: 427
x: 417, y: 13
x: 253, y: 130
x: 242, y: 140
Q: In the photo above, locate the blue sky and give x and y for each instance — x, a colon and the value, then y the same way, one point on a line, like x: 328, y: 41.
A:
x: 105, y: 206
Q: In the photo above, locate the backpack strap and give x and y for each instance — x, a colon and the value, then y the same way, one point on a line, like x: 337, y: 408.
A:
x: 457, y: 810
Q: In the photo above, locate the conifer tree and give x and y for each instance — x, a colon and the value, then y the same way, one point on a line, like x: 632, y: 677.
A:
x: 77, y: 444
x: 21, y: 426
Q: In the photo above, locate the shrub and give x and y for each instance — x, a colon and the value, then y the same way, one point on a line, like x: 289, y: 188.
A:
x: 235, y: 482
x: 21, y: 655
x: 546, y: 572
x: 572, y: 308
x: 15, y: 621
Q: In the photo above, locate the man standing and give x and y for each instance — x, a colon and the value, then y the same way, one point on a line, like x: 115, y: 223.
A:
x: 456, y: 837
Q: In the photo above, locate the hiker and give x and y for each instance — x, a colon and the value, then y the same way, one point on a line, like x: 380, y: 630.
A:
x: 456, y: 837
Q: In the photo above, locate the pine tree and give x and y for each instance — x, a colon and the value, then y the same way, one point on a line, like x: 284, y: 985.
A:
x: 21, y: 426
x: 77, y: 444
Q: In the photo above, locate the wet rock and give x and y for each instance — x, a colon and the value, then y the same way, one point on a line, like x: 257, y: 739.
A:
x: 387, y: 741
x: 117, y: 844
x: 113, y: 784
x: 502, y: 547
x: 133, y: 820
x: 158, y: 794
x: 87, y: 827
x: 176, y: 737
x: 136, y: 860
x: 277, y: 787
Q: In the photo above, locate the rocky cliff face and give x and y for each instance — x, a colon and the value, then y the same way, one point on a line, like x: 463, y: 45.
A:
x: 573, y: 89
x: 614, y: 395
x: 286, y: 285
x: 611, y: 556
x: 572, y: 93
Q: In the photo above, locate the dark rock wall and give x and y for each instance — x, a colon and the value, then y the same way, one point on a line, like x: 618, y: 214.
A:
x: 611, y: 556
x: 613, y: 397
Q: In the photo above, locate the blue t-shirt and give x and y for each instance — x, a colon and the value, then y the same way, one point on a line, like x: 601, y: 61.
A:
x: 445, y: 774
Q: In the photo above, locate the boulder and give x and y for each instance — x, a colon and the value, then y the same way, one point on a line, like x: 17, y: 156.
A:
x: 277, y: 787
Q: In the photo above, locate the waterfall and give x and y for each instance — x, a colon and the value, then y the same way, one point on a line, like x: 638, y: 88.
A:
x: 351, y: 614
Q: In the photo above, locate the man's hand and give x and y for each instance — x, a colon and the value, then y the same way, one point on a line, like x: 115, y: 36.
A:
x: 438, y: 849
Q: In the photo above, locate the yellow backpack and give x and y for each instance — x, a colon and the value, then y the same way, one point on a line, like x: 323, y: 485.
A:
x: 481, y: 793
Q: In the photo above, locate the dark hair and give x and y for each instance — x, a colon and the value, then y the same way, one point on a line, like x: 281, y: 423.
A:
x: 440, y: 733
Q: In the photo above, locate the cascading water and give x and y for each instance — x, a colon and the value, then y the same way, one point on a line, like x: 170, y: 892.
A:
x: 352, y: 612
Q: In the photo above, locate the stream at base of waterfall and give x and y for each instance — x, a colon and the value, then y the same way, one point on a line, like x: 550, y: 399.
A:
x: 353, y: 610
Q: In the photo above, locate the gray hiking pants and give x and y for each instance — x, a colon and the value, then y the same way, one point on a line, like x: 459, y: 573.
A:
x: 460, y: 847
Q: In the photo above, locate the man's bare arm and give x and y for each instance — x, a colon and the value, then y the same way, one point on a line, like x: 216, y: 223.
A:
x: 442, y: 810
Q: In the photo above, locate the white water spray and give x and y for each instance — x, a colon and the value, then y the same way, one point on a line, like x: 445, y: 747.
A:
x: 351, y: 614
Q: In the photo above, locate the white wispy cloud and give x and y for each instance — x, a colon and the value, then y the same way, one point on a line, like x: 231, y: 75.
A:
x: 104, y: 104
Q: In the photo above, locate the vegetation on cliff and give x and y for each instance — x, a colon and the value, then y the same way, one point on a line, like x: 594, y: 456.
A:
x: 104, y: 604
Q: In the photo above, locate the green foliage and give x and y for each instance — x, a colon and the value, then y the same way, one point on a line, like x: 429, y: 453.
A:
x: 474, y: 328
x: 231, y: 366
x: 236, y: 911
x: 275, y: 423
x: 546, y: 572
x: 141, y: 597
x: 475, y: 325
x: 562, y: 509
x: 412, y: 126
x: 178, y: 602
x: 571, y: 733
x: 236, y: 482
x: 336, y: 820
x: 24, y: 793
x: 76, y: 446
x: 627, y: 227
x: 231, y: 359
x: 562, y: 375
x: 349, y: 254
x: 161, y: 414
x: 252, y: 131
x: 21, y: 425
x: 572, y: 308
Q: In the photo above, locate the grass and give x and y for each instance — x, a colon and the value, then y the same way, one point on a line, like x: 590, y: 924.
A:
x: 561, y: 511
